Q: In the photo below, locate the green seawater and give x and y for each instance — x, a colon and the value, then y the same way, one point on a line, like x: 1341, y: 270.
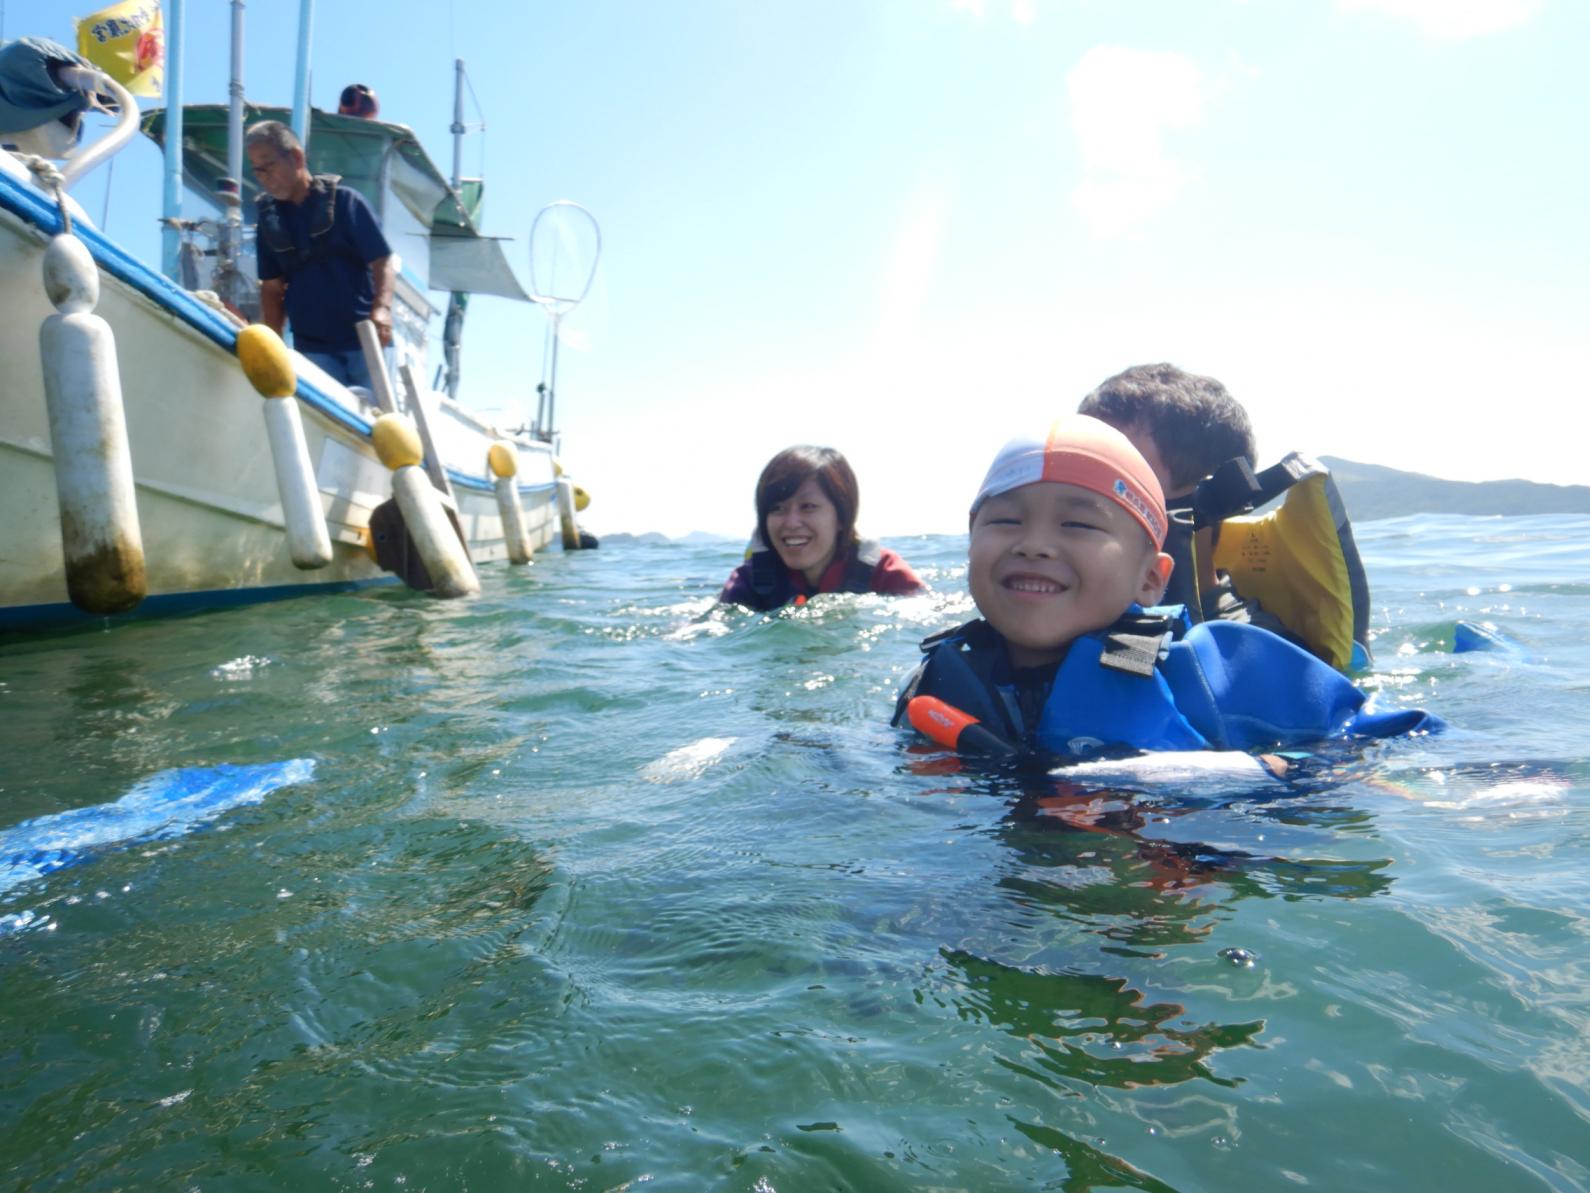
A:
x: 596, y: 886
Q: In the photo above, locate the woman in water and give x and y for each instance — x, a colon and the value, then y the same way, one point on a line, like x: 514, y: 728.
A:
x: 806, y: 541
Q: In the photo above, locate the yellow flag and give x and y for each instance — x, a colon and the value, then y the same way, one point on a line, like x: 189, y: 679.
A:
x: 128, y: 42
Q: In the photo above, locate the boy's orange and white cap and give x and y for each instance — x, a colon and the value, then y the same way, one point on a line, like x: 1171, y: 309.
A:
x: 1093, y: 455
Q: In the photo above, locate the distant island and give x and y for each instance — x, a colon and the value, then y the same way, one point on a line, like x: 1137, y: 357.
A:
x: 1373, y: 491
x: 654, y: 538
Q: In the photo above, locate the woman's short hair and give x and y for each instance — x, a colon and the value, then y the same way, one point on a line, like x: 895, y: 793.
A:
x: 791, y: 468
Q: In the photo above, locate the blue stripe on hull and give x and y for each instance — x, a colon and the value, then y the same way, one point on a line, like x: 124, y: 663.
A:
x: 24, y: 618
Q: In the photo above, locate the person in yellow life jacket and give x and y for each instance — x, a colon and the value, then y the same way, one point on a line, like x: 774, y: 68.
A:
x: 1294, y: 571
x: 806, y: 541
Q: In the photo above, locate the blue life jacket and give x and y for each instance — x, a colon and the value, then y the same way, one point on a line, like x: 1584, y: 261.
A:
x: 1149, y: 682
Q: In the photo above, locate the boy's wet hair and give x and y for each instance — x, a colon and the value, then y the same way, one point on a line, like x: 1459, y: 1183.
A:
x: 791, y: 468
x: 1196, y: 425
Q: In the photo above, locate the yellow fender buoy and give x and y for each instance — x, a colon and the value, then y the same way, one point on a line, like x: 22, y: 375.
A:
x: 504, y: 464
x: 266, y: 362
x: 581, y: 499
x: 397, y: 442
x: 269, y: 368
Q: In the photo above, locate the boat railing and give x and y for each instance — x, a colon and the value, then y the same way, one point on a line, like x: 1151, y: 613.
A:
x: 227, y: 276
x: 91, y: 82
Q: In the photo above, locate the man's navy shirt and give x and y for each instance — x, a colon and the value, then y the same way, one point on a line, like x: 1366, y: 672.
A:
x: 333, y: 291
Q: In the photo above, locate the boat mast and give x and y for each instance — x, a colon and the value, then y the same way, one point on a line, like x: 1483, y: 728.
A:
x: 171, y: 235
x: 231, y: 238
x: 234, y: 114
x: 306, y: 21
x: 453, y: 329
x: 458, y: 127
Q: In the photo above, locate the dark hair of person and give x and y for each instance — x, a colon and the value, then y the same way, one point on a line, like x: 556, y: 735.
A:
x: 358, y: 100
x: 274, y: 134
x: 1194, y: 422
x: 791, y: 468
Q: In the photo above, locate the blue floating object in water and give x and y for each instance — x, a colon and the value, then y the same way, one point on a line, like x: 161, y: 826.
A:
x: 1470, y: 635
x: 168, y: 804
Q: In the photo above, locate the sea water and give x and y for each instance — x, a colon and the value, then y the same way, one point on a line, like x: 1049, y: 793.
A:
x: 588, y: 884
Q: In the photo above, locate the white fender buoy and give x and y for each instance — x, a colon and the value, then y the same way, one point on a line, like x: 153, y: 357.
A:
x: 504, y: 464
x: 269, y: 369
x: 570, y: 529
x: 100, y: 539
x: 398, y: 444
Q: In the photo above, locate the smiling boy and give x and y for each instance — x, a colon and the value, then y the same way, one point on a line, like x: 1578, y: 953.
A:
x: 1065, y: 556
x: 1065, y: 536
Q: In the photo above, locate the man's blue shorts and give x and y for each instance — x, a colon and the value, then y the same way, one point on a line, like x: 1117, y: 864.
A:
x: 347, y: 367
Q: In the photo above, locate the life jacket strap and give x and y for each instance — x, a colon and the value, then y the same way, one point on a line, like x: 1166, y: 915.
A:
x: 766, y: 572
x: 1234, y: 488
x: 1134, y: 642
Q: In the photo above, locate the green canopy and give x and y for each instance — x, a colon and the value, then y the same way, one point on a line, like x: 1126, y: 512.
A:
x: 383, y: 162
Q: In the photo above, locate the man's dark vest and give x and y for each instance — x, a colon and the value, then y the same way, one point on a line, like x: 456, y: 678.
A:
x: 322, y: 212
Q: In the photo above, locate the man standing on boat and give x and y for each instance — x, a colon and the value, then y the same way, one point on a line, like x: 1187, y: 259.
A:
x: 324, y: 264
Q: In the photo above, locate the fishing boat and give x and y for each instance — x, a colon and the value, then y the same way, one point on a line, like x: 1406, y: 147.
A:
x: 211, y: 513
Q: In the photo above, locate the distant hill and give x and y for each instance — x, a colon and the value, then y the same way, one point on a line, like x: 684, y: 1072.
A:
x: 654, y: 538
x: 1372, y: 491
x: 619, y: 537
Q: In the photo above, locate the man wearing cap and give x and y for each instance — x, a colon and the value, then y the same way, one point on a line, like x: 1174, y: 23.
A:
x: 324, y: 264
x: 1067, y: 661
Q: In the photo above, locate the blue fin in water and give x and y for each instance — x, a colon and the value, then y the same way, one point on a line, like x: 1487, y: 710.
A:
x: 1472, y: 635
x: 168, y: 804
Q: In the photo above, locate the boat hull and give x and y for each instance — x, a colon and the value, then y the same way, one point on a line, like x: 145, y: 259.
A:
x: 208, y: 508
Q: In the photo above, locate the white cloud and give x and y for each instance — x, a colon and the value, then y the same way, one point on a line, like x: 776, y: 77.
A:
x: 1454, y: 19
x: 1123, y: 102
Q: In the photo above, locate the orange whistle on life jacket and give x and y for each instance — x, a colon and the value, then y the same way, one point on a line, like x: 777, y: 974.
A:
x: 954, y: 729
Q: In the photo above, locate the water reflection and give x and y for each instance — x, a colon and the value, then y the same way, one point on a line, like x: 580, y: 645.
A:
x: 1109, y: 885
x: 1091, y: 1030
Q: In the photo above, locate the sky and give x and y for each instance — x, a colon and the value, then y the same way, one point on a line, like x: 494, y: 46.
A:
x: 913, y: 229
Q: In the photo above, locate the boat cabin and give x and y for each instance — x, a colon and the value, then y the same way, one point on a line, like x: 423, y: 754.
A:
x: 433, y: 231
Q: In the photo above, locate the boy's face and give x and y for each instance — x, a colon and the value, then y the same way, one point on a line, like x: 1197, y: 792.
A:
x: 1051, y: 561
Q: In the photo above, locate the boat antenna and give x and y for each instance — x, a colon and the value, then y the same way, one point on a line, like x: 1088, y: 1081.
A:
x: 110, y: 176
x: 171, y: 191
x: 562, y: 237
x: 306, y: 25
x: 457, y: 301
